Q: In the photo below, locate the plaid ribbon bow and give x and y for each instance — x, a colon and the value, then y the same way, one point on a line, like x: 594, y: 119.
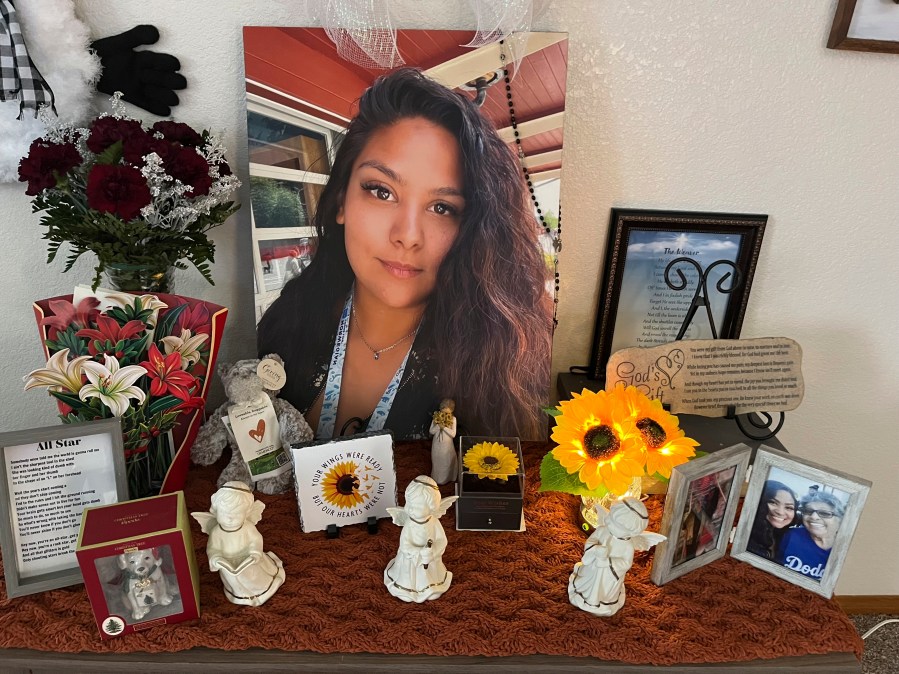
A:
x: 19, y: 79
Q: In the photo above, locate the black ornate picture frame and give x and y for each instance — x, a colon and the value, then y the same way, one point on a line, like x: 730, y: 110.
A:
x: 659, y: 264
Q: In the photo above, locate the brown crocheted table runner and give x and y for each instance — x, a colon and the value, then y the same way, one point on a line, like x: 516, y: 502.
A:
x: 508, y: 597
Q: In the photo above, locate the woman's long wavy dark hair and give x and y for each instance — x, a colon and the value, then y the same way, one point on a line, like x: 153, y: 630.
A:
x: 488, y: 322
x: 763, y: 538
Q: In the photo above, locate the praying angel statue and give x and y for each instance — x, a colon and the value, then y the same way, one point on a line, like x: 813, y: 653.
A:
x: 597, y: 583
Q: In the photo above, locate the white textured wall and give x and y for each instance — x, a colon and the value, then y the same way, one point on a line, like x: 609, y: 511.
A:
x: 693, y: 105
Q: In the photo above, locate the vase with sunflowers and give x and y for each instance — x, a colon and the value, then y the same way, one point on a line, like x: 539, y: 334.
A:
x: 141, y: 199
x: 607, y: 441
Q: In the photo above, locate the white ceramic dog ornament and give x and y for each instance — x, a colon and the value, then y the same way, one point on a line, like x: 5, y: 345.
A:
x: 249, y: 574
x: 144, y: 583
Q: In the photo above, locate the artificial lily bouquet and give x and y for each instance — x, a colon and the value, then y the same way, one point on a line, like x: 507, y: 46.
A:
x: 128, y: 356
x: 129, y: 194
x: 607, y: 440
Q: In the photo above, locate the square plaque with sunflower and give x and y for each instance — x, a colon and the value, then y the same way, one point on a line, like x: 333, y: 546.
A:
x: 491, y: 484
x: 344, y: 481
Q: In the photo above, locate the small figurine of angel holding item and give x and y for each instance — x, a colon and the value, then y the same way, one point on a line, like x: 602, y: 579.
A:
x: 444, y: 463
x: 249, y: 574
x: 597, y: 583
x: 417, y: 572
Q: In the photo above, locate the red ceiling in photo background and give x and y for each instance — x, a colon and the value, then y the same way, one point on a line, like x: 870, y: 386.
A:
x: 316, y: 74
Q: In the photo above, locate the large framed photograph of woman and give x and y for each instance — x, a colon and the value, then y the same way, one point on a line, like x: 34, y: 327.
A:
x: 674, y: 275
x: 403, y: 228
x: 798, y: 519
x: 699, y: 512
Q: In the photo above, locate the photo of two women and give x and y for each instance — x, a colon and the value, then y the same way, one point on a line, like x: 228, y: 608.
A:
x: 431, y: 194
x: 796, y: 523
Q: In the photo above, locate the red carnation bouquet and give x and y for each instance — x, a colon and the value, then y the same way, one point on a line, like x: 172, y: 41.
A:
x: 131, y: 195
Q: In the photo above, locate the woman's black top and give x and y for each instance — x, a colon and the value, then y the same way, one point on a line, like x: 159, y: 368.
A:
x: 412, y: 409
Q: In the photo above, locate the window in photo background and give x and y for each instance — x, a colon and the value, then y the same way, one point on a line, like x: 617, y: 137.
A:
x: 703, y: 512
x: 283, y: 259
x: 282, y: 203
x: 275, y: 142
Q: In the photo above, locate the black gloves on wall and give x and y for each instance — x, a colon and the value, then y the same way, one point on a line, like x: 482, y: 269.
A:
x: 146, y: 79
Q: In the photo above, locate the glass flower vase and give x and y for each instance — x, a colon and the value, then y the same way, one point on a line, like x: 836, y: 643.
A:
x: 139, y: 277
x: 588, y: 503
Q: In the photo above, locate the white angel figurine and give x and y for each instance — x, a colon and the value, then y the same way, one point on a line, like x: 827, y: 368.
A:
x: 597, y: 583
x: 249, y: 574
x: 417, y: 572
x: 444, y: 462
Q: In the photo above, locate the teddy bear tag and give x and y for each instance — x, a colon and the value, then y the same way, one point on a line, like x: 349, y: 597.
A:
x: 272, y: 374
x: 258, y: 435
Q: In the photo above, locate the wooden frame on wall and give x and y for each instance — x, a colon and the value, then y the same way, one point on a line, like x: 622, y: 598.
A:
x: 876, y: 28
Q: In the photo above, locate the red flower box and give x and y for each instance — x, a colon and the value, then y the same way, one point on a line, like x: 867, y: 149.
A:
x: 189, y: 421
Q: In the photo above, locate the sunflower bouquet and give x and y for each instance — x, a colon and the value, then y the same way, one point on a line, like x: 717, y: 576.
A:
x: 607, y: 439
x: 443, y: 418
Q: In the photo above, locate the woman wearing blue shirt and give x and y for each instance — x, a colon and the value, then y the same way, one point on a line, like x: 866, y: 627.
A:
x: 806, y: 549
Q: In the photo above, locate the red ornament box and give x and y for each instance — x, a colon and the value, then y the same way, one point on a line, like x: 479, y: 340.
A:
x: 185, y: 431
x: 138, y: 563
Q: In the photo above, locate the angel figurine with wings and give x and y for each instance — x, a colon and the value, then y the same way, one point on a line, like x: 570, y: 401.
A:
x: 417, y: 572
x: 597, y: 583
x: 249, y: 574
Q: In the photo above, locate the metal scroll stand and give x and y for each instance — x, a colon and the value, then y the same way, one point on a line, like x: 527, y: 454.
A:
x: 754, y: 425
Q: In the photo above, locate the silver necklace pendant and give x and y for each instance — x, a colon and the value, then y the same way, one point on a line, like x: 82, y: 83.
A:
x: 377, y: 355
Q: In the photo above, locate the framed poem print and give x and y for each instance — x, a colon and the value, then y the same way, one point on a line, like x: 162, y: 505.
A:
x: 699, y: 511
x: 798, y: 519
x: 662, y: 267
x: 866, y: 25
x: 48, y: 477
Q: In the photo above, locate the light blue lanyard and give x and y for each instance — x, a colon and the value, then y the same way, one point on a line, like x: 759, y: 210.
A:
x: 328, y: 417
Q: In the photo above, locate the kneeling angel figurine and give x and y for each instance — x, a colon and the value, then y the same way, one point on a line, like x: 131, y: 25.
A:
x: 417, y: 573
x: 597, y: 583
x: 249, y: 574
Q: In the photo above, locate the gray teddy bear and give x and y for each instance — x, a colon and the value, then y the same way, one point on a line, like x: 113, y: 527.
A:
x: 242, y: 385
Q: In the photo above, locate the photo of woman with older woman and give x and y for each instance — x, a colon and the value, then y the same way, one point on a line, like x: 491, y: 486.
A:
x: 796, y: 531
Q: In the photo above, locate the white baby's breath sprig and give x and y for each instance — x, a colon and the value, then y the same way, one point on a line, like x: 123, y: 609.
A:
x: 118, y: 108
